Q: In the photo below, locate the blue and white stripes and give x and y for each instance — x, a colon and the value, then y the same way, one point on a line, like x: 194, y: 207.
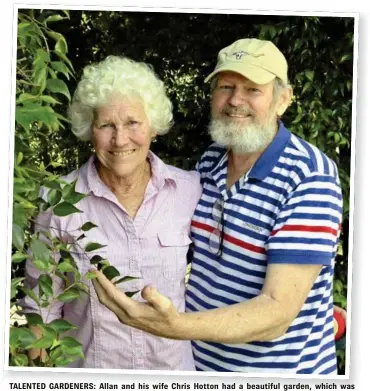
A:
x: 287, y: 209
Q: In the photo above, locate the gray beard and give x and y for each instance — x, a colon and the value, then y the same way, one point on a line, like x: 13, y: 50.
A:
x: 242, y: 138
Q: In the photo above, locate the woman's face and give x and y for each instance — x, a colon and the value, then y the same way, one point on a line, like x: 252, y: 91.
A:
x: 122, y: 136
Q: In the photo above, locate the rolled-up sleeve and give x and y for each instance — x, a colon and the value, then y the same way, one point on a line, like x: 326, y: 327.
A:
x: 308, y: 226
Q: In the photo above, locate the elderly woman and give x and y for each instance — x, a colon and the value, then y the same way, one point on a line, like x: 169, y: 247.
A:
x: 141, y: 206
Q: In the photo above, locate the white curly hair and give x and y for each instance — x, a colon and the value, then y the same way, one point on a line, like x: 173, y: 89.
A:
x: 127, y: 77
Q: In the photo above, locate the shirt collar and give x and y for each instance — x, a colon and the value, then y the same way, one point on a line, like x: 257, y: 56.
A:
x: 267, y: 161
x: 160, y: 171
x: 160, y: 174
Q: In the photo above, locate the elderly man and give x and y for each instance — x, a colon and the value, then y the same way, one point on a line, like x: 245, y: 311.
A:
x: 265, y: 232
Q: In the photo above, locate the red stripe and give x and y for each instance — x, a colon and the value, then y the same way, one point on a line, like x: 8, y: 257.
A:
x: 229, y: 238
x: 306, y: 228
x: 206, y: 227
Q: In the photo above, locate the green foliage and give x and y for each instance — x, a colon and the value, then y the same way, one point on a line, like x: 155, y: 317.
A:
x: 42, y: 71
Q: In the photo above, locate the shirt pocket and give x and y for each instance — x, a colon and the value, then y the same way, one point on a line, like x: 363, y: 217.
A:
x: 173, y: 249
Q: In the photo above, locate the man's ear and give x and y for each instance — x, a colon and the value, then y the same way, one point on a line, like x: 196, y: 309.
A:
x: 284, y: 101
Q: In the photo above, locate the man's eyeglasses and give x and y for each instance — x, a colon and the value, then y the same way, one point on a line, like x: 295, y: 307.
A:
x: 216, y: 238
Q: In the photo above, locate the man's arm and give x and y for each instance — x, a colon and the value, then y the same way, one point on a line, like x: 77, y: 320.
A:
x: 265, y: 317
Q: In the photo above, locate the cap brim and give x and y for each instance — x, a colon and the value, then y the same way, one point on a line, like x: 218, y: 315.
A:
x: 251, y: 72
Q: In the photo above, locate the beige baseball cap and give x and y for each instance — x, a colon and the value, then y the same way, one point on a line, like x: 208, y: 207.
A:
x: 257, y: 60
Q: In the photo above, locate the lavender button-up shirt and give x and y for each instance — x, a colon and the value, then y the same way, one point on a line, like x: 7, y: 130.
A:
x: 152, y: 246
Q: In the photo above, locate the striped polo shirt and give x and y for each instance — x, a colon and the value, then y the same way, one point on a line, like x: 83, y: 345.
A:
x: 286, y: 209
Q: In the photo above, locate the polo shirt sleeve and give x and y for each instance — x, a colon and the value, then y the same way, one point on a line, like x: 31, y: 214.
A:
x: 307, y: 227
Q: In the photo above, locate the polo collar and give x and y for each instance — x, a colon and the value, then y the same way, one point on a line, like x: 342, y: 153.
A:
x: 264, y: 164
x: 268, y: 159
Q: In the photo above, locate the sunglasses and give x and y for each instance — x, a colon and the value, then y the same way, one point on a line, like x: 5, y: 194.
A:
x: 216, y: 238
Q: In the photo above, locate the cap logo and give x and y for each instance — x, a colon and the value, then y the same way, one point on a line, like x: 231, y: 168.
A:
x: 239, y: 55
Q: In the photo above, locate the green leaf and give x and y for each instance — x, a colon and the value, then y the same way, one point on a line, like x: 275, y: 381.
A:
x: 125, y: 279
x: 54, y: 196
x: 87, y: 226
x: 93, y: 246
x: 90, y: 275
x: 103, y: 264
x: 20, y: 360
x: 64, y: 58
x: 34, y: 319
x: 19, y: 158
x: 65, y: 209
x: 49, y: 99
x: 70, y: 194
x: 75, y: 351
x: 53, y: 34
x: 19, y: 215
x: 13, y: 337
x: 309, y: 75
x: 42, y: 343
x: 63, y: 360
x: 40, y: 250
x: 18, y: 237
x: 39, y: 77
x: 41, y: 56
x: 61, y: 67
x: 130, y: 294
x: 54, y: 18
x: 66, y: 267
x: 65, y: 254
x: 18, y: 257
x: 69, y: 188
x: 52, y: 185
x: 61, y: 325
x: 96, y: 259
x: 58, y: 86
x: 69, y: 342
x: 69, y: 296
x: 110, y: 272
x: 42, y: 265
x: 14, y: 285
x: 23, y: 27
x: 46, y: 285
x: 61, y: 46
x: 26, y: 97
x: 82, y: 286
x: 75, y: 197
x: 31, y: 294
x: 56, y: 353
x: 27, y: 115
x: 25, y: 337
x: 306, y: 87
x: 345, y: 57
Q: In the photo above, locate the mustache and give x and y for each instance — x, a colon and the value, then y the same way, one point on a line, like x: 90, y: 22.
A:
x: 237, y: 111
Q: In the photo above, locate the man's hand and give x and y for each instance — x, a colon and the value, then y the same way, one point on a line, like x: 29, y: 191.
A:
x: 157, y: 316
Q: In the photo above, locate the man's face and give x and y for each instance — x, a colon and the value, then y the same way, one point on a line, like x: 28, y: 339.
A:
x: 239, y: 100
x: 244, y: 114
